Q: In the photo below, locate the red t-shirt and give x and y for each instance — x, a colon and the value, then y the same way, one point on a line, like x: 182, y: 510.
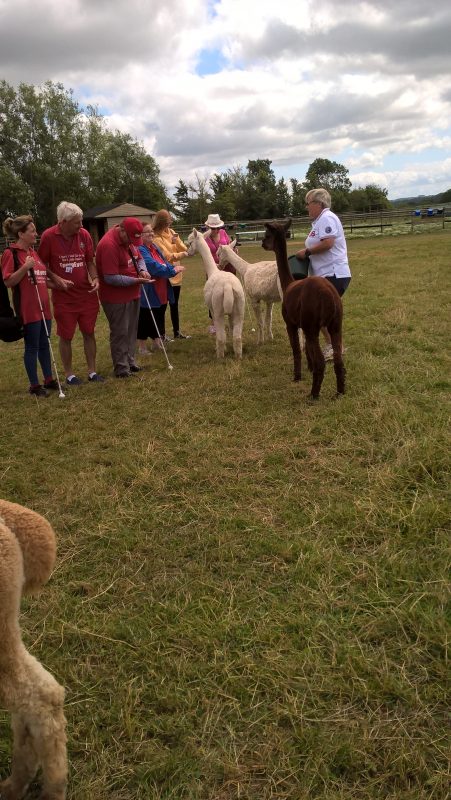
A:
x: 68, y: 258
x: 29, y: 304
x: 113, y: 258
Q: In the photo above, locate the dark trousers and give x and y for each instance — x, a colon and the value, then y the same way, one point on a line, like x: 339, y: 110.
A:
x: 174, y: 309
x: 147, y: 328
x: 37, y: 348
x: 123, y: 321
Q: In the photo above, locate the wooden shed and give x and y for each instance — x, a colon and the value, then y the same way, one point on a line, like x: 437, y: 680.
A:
x: 100, y: 219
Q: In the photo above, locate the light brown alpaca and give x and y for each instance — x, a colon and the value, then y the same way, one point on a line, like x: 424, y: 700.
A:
x: 310, y: 304
x: 27, y: 690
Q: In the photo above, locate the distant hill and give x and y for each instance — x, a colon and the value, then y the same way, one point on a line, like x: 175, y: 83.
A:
x: 422, y: 200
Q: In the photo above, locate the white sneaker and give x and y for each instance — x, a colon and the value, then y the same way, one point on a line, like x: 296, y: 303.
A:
x: 328, y: 352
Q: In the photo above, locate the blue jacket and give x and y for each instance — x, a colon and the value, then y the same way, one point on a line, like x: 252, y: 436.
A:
x: 158, y: 271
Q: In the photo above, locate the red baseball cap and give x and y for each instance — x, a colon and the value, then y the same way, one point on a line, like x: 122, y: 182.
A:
x: 133, y: 228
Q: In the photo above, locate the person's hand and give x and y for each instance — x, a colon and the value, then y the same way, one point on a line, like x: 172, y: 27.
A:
x: 28, y: 263
x: 60, y: 283
x: 179, y: 268
x: 183, y: 255
x: 144, y: 277
x: 94, y: 285
x: 301, y: 253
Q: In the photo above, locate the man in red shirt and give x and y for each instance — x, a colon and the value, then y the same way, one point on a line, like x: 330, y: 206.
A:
x: 121, y: 271
x: 68, y: 252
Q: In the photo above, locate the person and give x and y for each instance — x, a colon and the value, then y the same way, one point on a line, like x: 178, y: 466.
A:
x: 121, y: 271
x: 215, y: 236
x: 17, y: 261
x: 173, y: 250
x: 68, y: 251
x: 157, y: 294
x: 326, y: 247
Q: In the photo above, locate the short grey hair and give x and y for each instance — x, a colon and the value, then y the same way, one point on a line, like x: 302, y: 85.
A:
x: 67, y: 210
x: 319, y: 196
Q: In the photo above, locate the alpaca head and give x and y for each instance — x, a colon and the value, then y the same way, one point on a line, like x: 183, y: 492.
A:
x: 275, y: 231
x: 193, y: 242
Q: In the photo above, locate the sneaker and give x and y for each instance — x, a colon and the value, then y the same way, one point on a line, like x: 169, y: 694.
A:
x: 96, y: 378
x: 74, y: 381
x: 328, y: 353
x: 123, y: 375
x: 38, y: 391
x: 168, y: 338
x: 181, y: 336
x: 212, y: 330
x: 52, y: 384
x: 143, y: 351
x: 135, y: 368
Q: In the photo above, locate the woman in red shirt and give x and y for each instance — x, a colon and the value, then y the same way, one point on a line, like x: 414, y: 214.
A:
x: 21, y: 253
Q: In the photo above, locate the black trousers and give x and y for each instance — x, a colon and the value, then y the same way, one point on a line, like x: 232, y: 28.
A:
x: 174, y: 309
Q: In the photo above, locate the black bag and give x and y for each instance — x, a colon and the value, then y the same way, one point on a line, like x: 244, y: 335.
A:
x: 299, y: 267
x: 11, y: 327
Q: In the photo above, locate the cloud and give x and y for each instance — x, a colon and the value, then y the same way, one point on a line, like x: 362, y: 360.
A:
x: 368, y: 82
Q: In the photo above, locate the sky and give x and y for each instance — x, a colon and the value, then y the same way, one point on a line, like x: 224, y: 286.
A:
x: 206, y: 85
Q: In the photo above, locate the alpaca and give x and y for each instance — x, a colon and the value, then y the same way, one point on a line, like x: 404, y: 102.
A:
x: 261, y: 284
x: 223, y: 295
x: 310, y: 304
x: 27, y: 690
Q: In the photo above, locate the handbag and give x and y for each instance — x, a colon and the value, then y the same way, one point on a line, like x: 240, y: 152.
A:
x: 11, y: 326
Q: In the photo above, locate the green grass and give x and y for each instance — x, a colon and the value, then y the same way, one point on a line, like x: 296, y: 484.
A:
x: 250, y: 595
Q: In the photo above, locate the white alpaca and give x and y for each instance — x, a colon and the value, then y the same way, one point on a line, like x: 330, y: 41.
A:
x: 223, y: 295
x: 27, y: 690
x: 261, y: 284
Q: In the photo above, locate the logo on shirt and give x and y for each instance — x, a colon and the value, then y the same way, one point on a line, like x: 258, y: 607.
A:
x: 328, y: 229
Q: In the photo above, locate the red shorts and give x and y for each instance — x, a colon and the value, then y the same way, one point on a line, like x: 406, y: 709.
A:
x: 67, y: 319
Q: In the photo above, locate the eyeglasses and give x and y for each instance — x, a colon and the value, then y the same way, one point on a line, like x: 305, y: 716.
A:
x: 310, y: 203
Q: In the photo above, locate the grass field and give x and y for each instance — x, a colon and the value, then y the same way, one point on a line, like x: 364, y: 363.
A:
x: 250, y: 595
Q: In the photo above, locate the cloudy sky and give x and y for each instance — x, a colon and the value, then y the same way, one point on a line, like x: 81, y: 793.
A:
x: 208, y: 84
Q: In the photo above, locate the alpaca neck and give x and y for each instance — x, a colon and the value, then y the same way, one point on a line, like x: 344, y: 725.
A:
x: 280, y: 249
x: 235, y: 260
x: 209, y: 262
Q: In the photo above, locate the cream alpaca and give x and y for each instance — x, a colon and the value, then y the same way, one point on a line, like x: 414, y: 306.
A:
x: 27, y: 690
x: 261, y: 284
x: 223, y: 295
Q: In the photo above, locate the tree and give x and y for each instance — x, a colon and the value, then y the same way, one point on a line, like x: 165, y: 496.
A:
x: 370, y: 198
x: 52, y: 150
x: 283, y: 200
x: 297, y: 198
x: 326, y: 174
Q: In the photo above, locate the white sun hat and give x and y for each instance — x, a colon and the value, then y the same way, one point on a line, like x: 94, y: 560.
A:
x: 214, y: 221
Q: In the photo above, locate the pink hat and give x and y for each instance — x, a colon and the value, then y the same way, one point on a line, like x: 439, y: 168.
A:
x: 133, y: 228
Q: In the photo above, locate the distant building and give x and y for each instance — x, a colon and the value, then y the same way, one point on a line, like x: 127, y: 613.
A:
x: 100, y: 219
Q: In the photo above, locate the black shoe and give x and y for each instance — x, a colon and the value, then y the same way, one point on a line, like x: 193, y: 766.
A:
x: 74, y: 381
x: 135, y: 368
x: 96, y: 378
x: 123, y: 375
x: 38, y: 391
x: 53, y: 385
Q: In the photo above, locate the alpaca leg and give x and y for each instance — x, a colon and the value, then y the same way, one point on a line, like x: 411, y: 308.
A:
x: 316, y: 359
x: 258, y: 311
x: 296, y: 350
x: 50, y: 744
x: 339, y: 367
x: 25, y: 761
x: 237, y: 335
x: 219, y: 322
x: 268, y: 321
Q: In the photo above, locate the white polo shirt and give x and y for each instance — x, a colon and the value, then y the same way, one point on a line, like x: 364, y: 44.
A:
x: 335, y: 260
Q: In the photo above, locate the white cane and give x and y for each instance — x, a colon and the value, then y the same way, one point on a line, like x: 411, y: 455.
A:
x: 156, y: 328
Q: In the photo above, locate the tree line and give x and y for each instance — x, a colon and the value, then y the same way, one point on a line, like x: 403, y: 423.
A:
x: 51, y: 149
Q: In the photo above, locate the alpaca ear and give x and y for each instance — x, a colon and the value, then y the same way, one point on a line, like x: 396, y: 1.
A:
x: 287, y: 223
x: 233, y: 244
x: 195, y: 233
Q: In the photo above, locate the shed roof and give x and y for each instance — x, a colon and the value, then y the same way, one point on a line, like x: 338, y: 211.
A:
x: 117, y: 210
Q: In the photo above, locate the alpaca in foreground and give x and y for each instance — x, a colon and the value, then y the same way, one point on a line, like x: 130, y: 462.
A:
x: 310, y: 304
x: 27, y: 690
x: 223, y: 295
x: 261, y: 284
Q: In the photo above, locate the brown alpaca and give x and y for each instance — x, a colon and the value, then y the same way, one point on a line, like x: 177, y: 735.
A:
x: 310, y: 304
x: 27, y: 690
